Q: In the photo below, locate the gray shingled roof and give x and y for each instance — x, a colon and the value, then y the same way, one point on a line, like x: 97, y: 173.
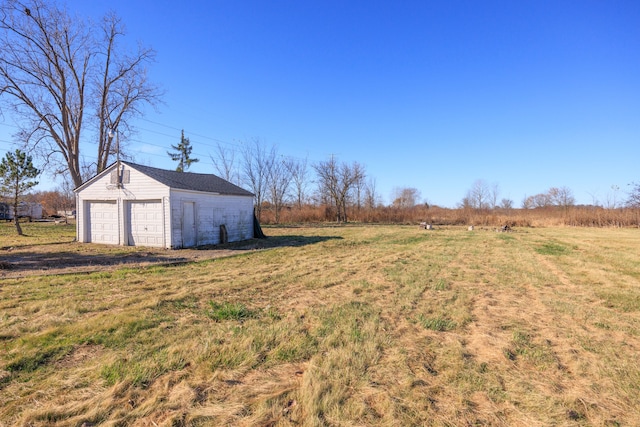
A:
x: 190, y: 181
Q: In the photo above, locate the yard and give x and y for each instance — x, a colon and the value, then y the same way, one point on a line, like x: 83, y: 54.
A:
x: 354, y: 325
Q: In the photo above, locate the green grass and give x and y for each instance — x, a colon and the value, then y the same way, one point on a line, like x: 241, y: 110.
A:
x: 229, y: 311
x: 436, y: 323
x: 381, y: 325
x: 524, y: 346
x: 625, y: 300
x: 36, y: 234
x: 552, y: 249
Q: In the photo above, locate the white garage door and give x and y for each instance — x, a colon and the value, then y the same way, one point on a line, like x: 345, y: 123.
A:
x: 103, y: 222
x: 144, y: 223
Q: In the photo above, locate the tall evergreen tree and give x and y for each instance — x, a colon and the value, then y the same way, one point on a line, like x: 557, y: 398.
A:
x: 16, y: 172
x: 182, y: 154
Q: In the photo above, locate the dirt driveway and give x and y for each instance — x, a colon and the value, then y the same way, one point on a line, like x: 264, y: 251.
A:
x: 74, y: 257
x: 63, y: 258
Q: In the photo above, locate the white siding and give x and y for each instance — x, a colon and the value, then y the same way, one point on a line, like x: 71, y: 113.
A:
x: 149, y: 213
x: 211, y: 211
x: 140, y: 188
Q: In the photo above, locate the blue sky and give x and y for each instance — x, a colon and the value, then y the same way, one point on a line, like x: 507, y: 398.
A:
x: 427, y: 94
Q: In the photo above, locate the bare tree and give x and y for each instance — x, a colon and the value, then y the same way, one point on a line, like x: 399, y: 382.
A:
x: 555, y: 196
x: 48, y: 63
x: 493, y: 195
x: 612, y: 197
x: 66, y: 191
x: 122, y: 89
x: 359, y: 186
x: 465, y: 203
x: 338, y: 180
x: 527, y: 202
x: 257, y: 161
x: 299, y: 178
x: 371, y: 198
x: 327, y: 176
x: 506, y: 204
x: 225, y: 164
x: 594, y: 198
x: 542, y: 200
x: 633, y: 201
x: 561, y: 197
x: 54, y: 202
x: 479, y: 196
x: 406, y: 197
x: 353, y: 176
x: 278, y: 184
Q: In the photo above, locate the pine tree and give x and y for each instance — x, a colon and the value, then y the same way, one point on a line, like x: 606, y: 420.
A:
x: 16, y: 170
x: 182, y: 153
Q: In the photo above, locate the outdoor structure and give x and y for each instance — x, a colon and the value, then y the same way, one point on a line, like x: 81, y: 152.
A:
x: 135, y: 205
x: 25, y: 210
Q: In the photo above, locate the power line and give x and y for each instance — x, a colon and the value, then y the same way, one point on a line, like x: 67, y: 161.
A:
x: 180, y: 130
x: 235, y: 147
x: 201, y: 140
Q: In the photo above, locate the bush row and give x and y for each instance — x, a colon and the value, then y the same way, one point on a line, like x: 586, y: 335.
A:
x: 582, y: 216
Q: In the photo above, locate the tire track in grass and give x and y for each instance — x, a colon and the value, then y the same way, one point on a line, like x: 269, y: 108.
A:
x: 533, y: 331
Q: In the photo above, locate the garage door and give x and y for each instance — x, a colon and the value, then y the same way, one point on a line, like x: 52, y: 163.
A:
x: 103, y: 222
x: 144, y: 223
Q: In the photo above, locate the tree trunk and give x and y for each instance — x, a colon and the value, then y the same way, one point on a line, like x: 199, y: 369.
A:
x: 18, y: 228
x: 16, y: 203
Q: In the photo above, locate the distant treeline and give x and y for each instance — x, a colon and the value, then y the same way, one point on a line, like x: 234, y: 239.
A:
x: 578, y: 216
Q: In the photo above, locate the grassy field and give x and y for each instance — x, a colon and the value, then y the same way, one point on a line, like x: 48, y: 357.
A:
x: 340, y: 326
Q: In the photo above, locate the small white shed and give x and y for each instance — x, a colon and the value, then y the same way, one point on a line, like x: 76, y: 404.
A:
x: 136, y: 205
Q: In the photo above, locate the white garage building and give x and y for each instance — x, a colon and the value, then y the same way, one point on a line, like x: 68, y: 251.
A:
x: 136, y: 205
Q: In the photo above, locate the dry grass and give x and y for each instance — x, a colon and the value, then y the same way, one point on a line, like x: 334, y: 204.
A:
x: 552, y: 216
x: 377, y: 325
